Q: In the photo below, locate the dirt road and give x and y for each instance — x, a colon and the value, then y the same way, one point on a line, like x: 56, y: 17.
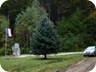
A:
x: 85, y: 65
x: 58, y: 54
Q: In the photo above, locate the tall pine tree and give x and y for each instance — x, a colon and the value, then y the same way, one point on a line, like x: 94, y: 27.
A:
x: 45, y: 39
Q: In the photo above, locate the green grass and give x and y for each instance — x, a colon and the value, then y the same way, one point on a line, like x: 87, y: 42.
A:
x: 38, y: 64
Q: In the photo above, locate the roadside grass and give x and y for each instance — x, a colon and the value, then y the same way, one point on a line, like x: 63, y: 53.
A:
x: 38, y: 64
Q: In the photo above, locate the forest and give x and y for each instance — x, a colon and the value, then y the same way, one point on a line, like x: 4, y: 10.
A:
x: 74, y: 21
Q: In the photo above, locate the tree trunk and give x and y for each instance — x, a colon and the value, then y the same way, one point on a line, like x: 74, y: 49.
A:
x: 45, y: 56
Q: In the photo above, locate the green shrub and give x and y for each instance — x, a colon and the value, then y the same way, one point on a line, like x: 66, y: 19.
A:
x: 25, y: 50
x: 2, y: 51
x: 8, y: 51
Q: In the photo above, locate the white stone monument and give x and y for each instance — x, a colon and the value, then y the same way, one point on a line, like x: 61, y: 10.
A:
x: 16, y: 49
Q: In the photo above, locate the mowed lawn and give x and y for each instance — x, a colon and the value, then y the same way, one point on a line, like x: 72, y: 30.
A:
x: 38, y: 64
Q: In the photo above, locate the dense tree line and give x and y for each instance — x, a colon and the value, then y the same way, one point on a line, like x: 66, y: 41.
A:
x: 12, y: 8
x: 75, y: 21
x: 77, y: 32
x: 55, y: 8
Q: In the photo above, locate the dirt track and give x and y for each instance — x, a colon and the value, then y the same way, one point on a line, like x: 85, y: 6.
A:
x: 83, y: 66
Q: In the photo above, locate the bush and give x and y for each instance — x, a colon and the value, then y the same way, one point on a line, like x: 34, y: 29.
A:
x: 25, y: 50
x: 8, y: 51
x: 2, y: 51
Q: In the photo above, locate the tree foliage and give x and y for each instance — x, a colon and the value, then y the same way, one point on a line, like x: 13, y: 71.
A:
x: 72, y: 32
x: 4, y: 23
x: 90, y: 30
x: 74, y: 29
x: 27, y: 21
x: 12, y: 8
x: 45, y: 39
x: 55, y: 8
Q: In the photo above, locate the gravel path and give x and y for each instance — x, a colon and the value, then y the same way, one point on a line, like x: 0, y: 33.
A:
x: 29, y: 55
x: 85, y: 65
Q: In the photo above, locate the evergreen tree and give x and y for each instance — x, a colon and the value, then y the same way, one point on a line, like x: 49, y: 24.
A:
x: 45, y: 40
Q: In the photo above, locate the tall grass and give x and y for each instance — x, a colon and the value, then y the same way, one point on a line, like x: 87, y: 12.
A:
x: 38, y: 64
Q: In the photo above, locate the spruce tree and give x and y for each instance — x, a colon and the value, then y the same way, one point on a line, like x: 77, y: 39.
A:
x: 45, y: 39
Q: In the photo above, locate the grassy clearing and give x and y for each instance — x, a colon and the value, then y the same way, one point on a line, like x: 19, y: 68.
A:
x: 37, y: 64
